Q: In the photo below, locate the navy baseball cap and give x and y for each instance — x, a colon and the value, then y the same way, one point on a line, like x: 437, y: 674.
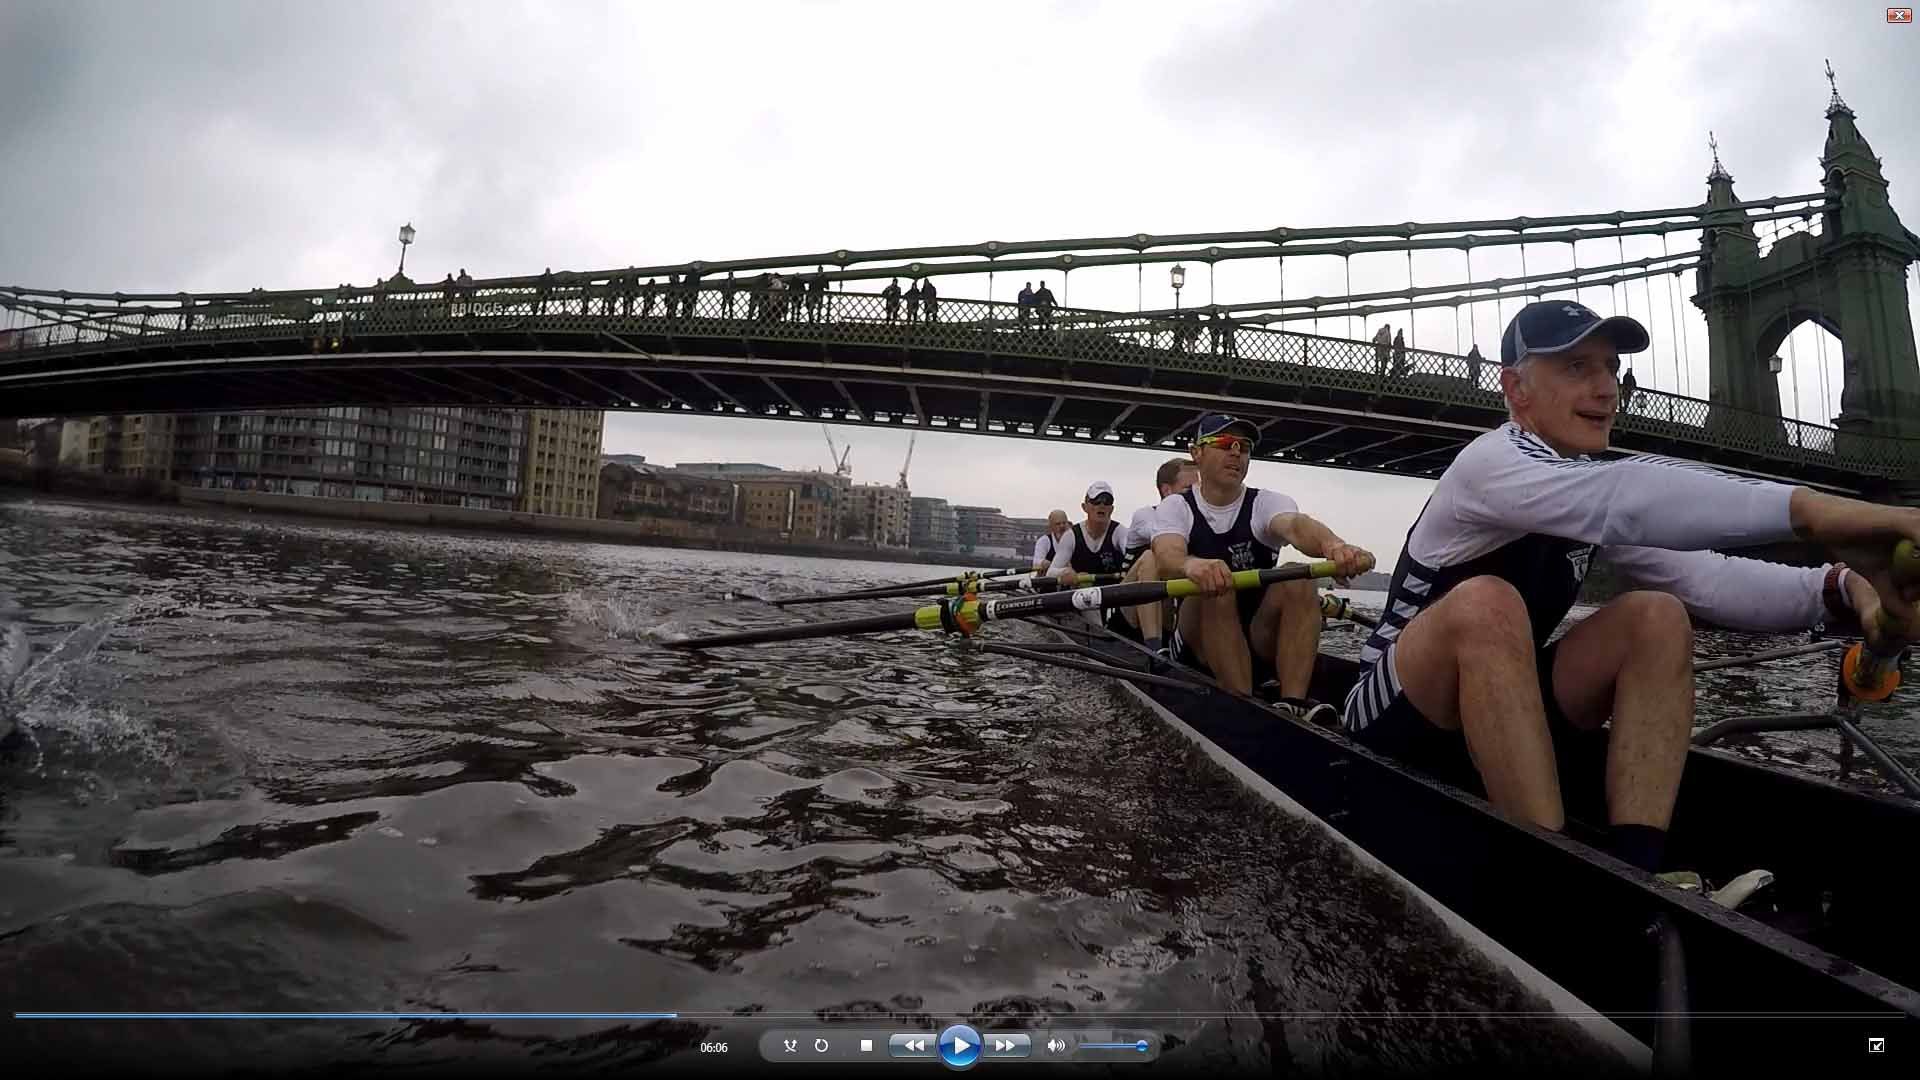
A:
x: 1554, y: 326
x: 1221, y: 423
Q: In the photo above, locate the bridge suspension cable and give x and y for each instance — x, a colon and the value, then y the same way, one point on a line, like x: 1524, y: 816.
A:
x: 992, y: 256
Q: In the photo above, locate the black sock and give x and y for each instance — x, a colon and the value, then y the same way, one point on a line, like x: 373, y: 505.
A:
x: 1153, y: 644
x: 1641, y: 845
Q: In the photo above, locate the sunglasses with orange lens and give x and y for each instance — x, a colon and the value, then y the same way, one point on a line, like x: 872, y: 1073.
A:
x: 1229, y: 443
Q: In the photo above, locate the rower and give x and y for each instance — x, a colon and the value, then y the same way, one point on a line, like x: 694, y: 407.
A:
x: 1095, y: 546
x: 1221, y: 525
x: 1146, y: 621
x: 1044, y: 547
x: 1459, y: 679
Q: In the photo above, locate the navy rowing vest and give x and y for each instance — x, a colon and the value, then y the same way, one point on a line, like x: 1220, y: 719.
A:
x: 1239, y: 548
x: 1547, y: 572
x: 1105, y: 559
x: 1051, y: 550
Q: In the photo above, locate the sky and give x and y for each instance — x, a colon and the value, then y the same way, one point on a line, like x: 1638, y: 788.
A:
x: 220, y: 146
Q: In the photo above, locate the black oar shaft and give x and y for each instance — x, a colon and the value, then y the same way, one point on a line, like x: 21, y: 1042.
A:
x: 953, y: 588
x: 966, y: 616
x: 872, y: 624
x: 905, y: 588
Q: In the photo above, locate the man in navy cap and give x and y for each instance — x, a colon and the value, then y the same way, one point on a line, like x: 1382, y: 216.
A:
x: 1460, y: 680
x: 1221, y: 525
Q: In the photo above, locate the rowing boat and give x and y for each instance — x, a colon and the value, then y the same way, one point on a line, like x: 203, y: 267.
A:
x: 1820, y: 968
x: 1805, y: 975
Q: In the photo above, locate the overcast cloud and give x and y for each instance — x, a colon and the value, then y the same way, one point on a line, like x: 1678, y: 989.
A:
x: 216, y: 146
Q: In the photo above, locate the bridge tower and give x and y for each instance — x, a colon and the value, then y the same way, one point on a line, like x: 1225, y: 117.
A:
x: 1850, y: 280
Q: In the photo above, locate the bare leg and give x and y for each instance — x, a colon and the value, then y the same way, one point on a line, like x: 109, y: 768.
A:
x: 1287, y: 629
x: 1148, y: 618
x: 1212, y: 625
x: 1649, y: 635
x: 1467, y: 663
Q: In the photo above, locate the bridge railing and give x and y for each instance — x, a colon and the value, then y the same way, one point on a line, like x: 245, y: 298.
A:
x: 751, y: 309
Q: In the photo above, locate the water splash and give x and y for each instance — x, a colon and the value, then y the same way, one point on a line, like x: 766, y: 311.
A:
x: 621, y: 618
x: 67, y: 726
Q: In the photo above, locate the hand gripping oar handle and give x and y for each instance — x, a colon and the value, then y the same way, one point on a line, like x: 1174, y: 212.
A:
x: 964, y: 615
x: 1873, y: 674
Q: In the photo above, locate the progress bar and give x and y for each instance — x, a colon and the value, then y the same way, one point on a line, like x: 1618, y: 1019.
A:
x: 344, y: 1016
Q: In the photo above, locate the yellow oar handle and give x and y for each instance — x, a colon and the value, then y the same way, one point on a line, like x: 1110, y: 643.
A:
x: 1247, y: 579
x: 1873, y: 674
x: 1906, y: 564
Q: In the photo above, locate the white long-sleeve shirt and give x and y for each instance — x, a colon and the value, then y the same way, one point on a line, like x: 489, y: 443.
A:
x: 1510, y: 505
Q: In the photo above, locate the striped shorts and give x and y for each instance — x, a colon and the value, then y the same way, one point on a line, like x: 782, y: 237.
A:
x: 1378, y: 716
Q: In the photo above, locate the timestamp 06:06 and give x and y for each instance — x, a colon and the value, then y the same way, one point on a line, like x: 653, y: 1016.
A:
x: 713, y: 1047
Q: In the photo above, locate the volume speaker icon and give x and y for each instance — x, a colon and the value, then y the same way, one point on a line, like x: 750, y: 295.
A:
x: 1057, y: 1046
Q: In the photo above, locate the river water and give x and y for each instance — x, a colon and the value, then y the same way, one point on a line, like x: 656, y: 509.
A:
x: 267, y: 765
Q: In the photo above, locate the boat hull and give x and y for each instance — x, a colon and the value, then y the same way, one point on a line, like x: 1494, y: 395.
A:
x: 1758, y: 995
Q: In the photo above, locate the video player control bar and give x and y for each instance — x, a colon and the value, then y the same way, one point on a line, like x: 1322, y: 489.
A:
x: 957, y: 1046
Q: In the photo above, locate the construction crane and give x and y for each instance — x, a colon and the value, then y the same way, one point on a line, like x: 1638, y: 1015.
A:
x: 909, y: 461
x: 837, y: 455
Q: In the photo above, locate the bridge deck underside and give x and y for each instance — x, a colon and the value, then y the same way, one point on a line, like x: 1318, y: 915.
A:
x: 1114, y: 398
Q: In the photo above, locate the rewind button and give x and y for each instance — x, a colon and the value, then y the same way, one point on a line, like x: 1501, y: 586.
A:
x: 1008, y: 1046
x: 913, y: 1046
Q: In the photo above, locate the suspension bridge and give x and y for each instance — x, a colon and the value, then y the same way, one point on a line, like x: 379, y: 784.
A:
x: 828, y: 336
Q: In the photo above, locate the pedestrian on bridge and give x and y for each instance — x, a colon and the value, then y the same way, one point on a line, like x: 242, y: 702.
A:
x: 930, y: 299
x: 1628, y: 384
x: 726, y: 293
x: 689, y: 293
x: 1399, y: 355
x: 1382, y: 350
x: 628, y: 285
x: 1227, y: 327
x: 890, y: 297
x: 778, y: 297
x: 1026, y: 302
x: 647, y: 294
x: 1043, y: 303
x: 465, y: 282
x: 816, y: 295
x: 541, y: 290
x: 1474, y: 360
x: 670, y: 302
x: 913, y: 302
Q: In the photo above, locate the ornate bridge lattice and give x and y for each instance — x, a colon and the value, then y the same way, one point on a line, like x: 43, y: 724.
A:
x: 1120, y: 378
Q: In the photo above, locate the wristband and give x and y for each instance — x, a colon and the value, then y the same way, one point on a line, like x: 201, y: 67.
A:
x: 1835, y: 591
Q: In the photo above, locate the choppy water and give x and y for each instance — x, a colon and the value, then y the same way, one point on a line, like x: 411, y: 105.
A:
x: 276, y: 766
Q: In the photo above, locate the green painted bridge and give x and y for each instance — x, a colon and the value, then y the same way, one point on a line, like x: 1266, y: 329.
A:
x: 966, y: 365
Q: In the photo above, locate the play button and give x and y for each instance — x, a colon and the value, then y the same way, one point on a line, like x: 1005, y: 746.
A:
x: 959, y: 1046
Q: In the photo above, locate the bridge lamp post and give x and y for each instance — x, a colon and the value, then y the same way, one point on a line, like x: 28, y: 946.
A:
x: 406, y: 238
x: 1179, y: 276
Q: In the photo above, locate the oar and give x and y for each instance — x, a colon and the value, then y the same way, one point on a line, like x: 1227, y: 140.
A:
x: 905, y: 588
x: 965, y: 616
x: 1339, y: 607
x: 963, y: 588
x: 1872, y: 675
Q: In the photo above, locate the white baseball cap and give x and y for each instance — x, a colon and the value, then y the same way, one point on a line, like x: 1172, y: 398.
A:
x: 1099, y: 488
